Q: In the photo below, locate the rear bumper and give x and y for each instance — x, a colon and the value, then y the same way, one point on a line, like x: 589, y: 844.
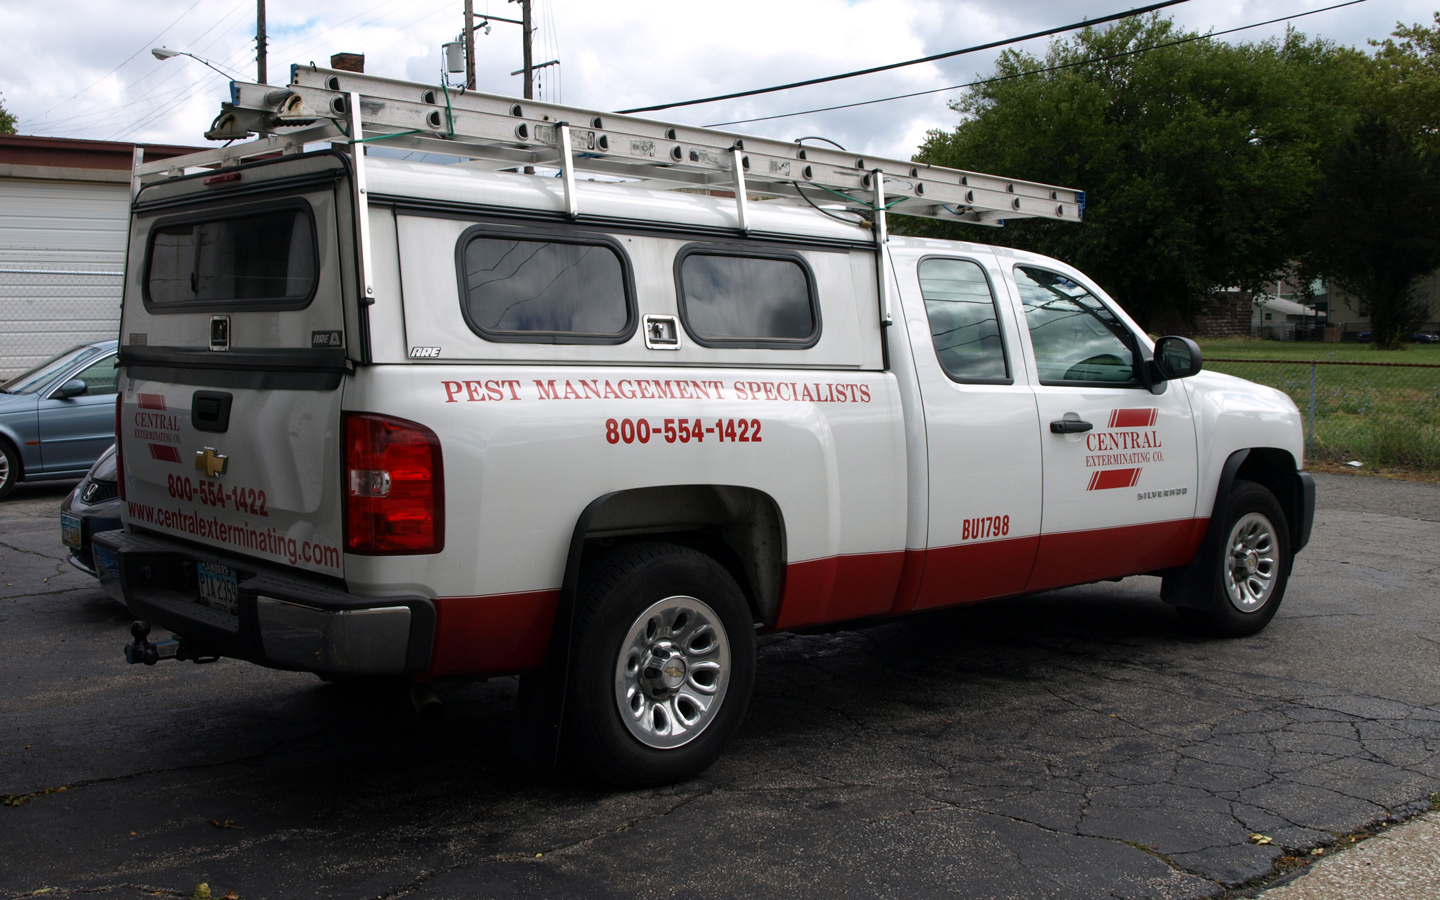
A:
x: 281, y: 620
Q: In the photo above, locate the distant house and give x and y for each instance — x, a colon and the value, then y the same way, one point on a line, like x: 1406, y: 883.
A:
x: 1352, y: 316
x: 64, y: 207
x: 1278, y: 319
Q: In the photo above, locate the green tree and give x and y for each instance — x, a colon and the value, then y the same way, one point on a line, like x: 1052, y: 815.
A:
x: 1375, y: 226
x: 1406, y: 82
x: 1197, y: 158
x: 7, y: 121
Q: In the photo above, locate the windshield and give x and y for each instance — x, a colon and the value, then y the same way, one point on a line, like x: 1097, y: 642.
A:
x: 42, y: 374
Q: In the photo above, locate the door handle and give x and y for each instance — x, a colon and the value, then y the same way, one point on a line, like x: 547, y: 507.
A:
x: 1069, y: 426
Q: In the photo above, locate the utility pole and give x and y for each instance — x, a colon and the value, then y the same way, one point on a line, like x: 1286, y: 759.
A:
x: 528, y: 59
x: 469, y: 44
x: 260, y: 40
x: 526, y: 32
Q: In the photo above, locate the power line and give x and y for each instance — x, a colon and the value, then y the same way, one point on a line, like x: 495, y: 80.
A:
x: 146, y: 46
x: 1071, y: 65
x: 912, y: 62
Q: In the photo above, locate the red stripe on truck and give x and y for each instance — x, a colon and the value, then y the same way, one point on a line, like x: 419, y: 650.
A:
x: 151, y: 401
x: 1133, y: 418
x: 1107, y: 479
x: 164, y: 453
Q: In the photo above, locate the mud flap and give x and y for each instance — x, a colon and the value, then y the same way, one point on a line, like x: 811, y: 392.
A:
x: 1189, y: 585
x: 541, y: 702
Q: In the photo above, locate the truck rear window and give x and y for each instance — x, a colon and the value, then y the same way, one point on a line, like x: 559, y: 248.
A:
x: 570, y: 291
x: 738, y: 299
x: 265, y: 258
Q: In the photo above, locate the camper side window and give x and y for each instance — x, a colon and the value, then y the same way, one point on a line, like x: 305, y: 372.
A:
x: 742, y: 299
x: 549, y: 291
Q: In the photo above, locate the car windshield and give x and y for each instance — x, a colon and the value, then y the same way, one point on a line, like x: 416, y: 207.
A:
x: 42, y: 374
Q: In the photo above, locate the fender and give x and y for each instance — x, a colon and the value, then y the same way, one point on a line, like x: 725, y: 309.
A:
x: 541, y: 700
x: 1179, y: 587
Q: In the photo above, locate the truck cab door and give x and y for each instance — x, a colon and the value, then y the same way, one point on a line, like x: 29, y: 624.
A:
x: 1119, y: 461
x: 982, y: 432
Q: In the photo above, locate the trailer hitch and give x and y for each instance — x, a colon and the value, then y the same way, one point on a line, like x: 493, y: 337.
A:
x: 142, y: 651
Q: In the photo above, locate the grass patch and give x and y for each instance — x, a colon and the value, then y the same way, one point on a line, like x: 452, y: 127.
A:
x: 1384, y: 416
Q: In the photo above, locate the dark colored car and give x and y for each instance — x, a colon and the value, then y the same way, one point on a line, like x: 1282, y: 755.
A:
x: 93, y: 506
x: 1417, y: 337
x: 57, y: 418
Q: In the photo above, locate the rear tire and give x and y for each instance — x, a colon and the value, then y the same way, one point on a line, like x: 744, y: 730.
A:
x: 9, y: 469
x: 662, y: 665
x: 1247, y: 581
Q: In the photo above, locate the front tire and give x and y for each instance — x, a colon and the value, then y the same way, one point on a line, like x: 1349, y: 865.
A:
x: 662, y: 665
x: 9, y: 469
x: 1247, y: 581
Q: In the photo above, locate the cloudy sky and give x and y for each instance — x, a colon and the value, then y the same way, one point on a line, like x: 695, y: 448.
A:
x: 84, y: 69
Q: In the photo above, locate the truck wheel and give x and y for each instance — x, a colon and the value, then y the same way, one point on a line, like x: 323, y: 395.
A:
x: 662, y: 665
x: 9, y: 469
x: 1248, y: 581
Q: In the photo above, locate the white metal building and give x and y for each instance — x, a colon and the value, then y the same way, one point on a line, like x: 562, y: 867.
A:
x: 64, y: 207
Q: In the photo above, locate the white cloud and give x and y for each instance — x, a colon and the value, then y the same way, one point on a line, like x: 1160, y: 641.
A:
x: 89, y: 73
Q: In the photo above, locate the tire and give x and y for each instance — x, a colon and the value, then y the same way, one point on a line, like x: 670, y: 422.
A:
x: 9, y: 469
x: 1247, y: 581
x: 662, y: 665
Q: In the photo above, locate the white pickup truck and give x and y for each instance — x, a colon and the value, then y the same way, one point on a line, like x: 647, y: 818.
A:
x: 392, y: 417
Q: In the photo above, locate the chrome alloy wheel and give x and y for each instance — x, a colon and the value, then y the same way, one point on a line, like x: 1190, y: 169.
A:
x: 672, y: 672
x: 1252, y: 563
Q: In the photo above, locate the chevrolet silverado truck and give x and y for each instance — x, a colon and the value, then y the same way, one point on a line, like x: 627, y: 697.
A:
x: 442, y: 419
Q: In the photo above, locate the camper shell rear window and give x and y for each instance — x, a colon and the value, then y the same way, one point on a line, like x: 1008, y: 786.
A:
x: 258, y: 257
x: 738, y: 297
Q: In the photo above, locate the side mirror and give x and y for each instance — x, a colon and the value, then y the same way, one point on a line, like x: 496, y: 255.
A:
x: 1177, y: 357
x: 73, y: 388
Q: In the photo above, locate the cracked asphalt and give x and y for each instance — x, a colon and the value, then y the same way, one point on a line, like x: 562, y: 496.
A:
x: 1072, y: 744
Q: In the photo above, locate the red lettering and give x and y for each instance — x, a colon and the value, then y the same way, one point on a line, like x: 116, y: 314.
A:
x: 623, y: 389
x: 591, y: 387
x: 570, y: 392
x: 513, y: 387
x: 472, y: 391
x: 683, y: 390
x: 546, y: 389
x: 451, y: 388
x: 492, y: 387
x: 769, y: 391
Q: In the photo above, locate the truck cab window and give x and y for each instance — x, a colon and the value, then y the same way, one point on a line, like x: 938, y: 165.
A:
x: 1077, y: 340
x: 964, y: 323
x: 543, y: 290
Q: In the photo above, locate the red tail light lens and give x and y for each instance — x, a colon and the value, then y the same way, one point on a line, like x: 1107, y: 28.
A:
x: 394, y: 487
x: 119, y: 445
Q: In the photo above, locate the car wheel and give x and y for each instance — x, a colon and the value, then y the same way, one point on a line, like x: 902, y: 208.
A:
x: 662, y: 665
x: 9, y: 469
x: 1247, y: 581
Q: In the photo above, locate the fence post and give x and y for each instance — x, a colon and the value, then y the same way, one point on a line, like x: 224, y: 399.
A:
x: 1310, y: 432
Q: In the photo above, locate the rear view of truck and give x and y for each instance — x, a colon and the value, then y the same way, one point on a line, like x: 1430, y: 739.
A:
x: 241, y: 320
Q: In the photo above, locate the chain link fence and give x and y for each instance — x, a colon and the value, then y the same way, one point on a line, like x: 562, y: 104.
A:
x: 47, y: 311
x: 1382, y: 414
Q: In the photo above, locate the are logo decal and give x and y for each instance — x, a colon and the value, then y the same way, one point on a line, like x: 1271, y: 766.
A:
x: 424, y: 352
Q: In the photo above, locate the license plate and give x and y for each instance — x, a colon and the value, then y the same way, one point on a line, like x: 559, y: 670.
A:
x: 70, y: 529
x: 218, y: 586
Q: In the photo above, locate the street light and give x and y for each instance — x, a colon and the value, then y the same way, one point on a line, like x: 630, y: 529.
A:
x: 164, y: 53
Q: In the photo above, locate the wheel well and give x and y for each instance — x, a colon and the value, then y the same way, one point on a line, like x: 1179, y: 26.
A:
x: 741, y: 528
x: 1275, y: 470
x: 19, y: 474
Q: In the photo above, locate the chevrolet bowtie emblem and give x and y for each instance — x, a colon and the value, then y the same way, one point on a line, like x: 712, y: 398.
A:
x: 210, y: 462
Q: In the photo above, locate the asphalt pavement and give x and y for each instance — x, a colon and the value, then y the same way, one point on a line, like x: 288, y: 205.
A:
x: 1073, y: 744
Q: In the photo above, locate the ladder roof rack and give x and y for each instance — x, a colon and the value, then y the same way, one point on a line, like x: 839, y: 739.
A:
x: 505, y: 132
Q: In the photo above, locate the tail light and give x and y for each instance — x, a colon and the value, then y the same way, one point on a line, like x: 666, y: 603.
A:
x: 394, y: 487
x: 119, y: 445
